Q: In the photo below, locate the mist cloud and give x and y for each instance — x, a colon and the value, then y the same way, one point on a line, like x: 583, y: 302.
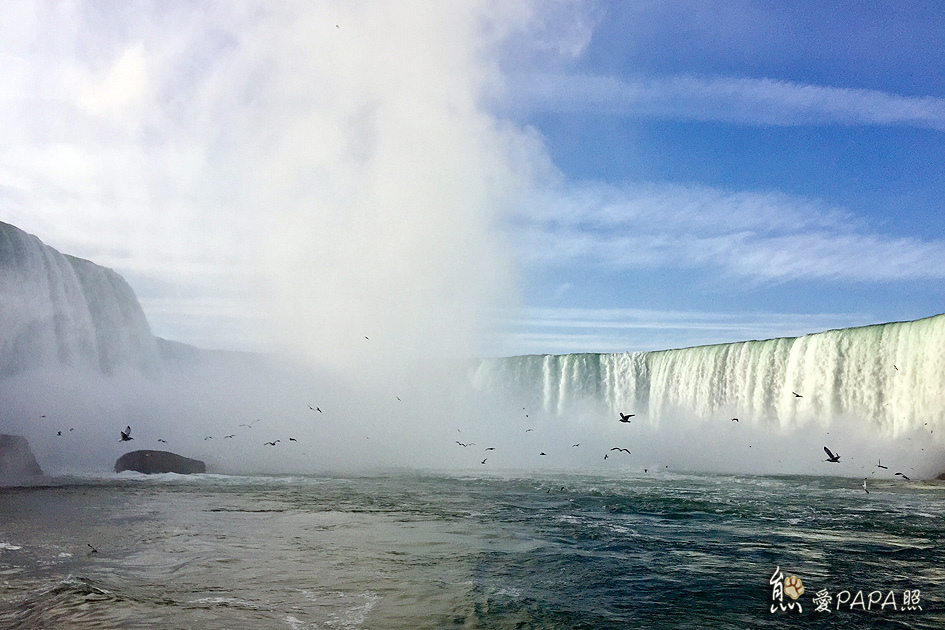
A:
x: 326, y: 171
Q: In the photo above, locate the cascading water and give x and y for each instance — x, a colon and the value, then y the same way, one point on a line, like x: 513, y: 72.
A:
x: 62, y: 310
x: 890, y: 376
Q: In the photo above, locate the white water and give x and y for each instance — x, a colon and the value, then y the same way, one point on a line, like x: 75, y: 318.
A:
x: 890, y: 377
x: 57, y: 309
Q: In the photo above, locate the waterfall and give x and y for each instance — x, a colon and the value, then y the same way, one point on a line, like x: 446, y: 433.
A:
x: 891, y: 376
x: 57, y: 309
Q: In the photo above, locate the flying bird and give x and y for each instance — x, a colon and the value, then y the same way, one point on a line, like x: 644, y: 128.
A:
x: 625, y: 450
x: 880, y: 465
x: 273, y: 443
x: 490, y: 448
x: 625, y: 417
x: 796, y: 395
x: 464, y: 444
x: 831, y: 457
x: 318, y: 409
x: 605, y: 455
x: 160, y: 440
x: 126, y: 434
x: 484, y: 461
x: 250, y: 425
x: 573, y: 445
x: 527, y: 430
x: 542, y: 453
x: 229, y: 436
x: 903, y: 476
x: 734, y: 419
x: 58, y: 432
x: 94, y: 550
x: 291, y: 439
x: 209, y: 437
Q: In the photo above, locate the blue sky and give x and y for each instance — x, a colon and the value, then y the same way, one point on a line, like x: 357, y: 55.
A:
x: 486, y: 177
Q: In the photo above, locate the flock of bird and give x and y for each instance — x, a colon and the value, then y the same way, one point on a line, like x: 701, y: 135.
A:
x: 626, y: 418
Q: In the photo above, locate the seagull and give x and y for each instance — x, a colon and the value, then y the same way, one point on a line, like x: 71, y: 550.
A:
x: 94, y: 550
x: 491, y: 448
x: 291, y: 439
x: 573, y: 445
x: 58, y: 432
x: 542, y: 453
x: 796, y: 395
x: 864, y: 486
x: 209, y: 437
x: 734, y: 419
x: 831, y: 457
x: 126, y: 434
x: 318, y: 409
x: 903, y: 476
x: 625, y: 450
x: 625, y: 417
x: 527, y: 430
x: 271, y: 443
x: 250, y: 425
x: 464, y: 445
x: 880, y: 465
x: 229, y: 436
x: 605, y: 455
x: 160, y: 440
x: 484, y: 461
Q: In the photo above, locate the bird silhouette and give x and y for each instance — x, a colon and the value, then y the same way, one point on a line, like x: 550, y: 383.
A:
x: 734, y: 419
x: 94, y: 550
x: 126, y: 434
x: 903, y: 476
x: 160, y: 440
x: 490, y: 448
x: 273, y: 443
x: 292, y: 439
x: 625, y: 417
x: 484, y: 461
x: 879, y: 464
x: 229, y: 436
x: 796, y: 395
x: 831, y: 457
x: 625, y: 450
x: 464, y: 444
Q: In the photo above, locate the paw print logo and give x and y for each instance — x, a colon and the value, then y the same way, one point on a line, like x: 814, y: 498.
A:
x: 793, y: 587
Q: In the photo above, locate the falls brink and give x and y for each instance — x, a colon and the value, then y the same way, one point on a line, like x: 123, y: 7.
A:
x: 61, y: 310
x: 891, y: 376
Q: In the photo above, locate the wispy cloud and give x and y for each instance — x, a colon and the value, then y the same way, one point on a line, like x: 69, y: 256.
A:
x: 564, y: 330
x: 740, y: 100
x: 759, y: 236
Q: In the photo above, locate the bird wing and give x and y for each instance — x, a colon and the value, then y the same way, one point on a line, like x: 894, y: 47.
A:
x: 827, y: 450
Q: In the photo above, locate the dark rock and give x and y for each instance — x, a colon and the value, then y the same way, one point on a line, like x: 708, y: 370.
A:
x: 159, y: 462
x: 17, y: 462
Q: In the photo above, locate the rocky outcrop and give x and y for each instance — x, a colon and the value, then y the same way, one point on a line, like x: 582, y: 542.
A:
x: 159, y: 462
x: 17, y: 462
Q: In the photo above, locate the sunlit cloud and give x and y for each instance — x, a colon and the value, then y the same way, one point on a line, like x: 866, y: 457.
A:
x: 728, y: 99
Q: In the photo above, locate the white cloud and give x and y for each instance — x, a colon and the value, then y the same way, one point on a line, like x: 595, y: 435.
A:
x: 729, y: 99
x: 750, y: 235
